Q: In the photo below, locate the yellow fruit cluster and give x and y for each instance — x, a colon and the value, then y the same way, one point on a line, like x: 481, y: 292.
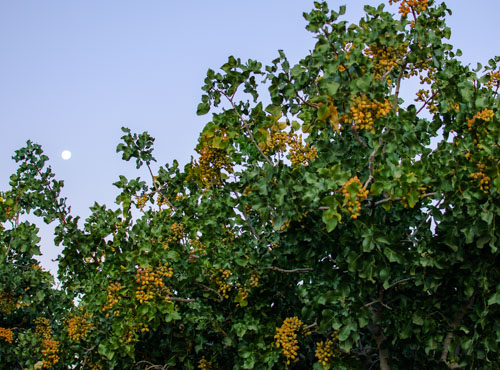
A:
x: 325, y: 352
x: 221, y: 276
x: 486, y: 115
x: 286, y: 337
x: 414, y: 6
x: 7, y: 302
x: 354, y: 202
x: 301, y: 154
x: 112, y: 296
x: 150, y: 283
x: 78, y: 326
x: 385, y: 58
x: 484, y: 179
x: 42, y: 328
x: 204, y: 364
x: 7, y: 335
x: 141, y: 201
x: 277, y: 142
x: 363, y: 112
x: 211, y: 162
x: 494, y: 81
x: 254, y: 280
x: 50, y: 350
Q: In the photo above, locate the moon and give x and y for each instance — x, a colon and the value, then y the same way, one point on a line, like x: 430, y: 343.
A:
x: 66, y: 154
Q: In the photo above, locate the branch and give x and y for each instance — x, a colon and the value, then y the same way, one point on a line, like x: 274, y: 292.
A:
x: 211, y: 290
x: 174, y: 299
x: 247, y: 128
x: 307, y: 269
x: 398, y: 85
x: 382, y: 201
x: 378, y: 334
x: 453, y: 325
x: 371, y: 159
x: 358, y: 139
x: 399, y: 282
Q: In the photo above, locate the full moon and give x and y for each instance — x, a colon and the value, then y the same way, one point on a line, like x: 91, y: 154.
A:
x: 66, y: 154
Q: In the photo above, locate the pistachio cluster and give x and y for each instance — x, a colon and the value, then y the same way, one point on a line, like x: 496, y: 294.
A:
x: 50, y: 350
x: 210, y: 164
x: 325, y: 352
x: 78, y: 326
x: 204, y: 364
x: 410, y: 6
x: 113, y: 296
x: 286, y: 337
x: 151, y: 283
x: 354, y: 194
x: 221, y: 277
x: 363, y: 112
x: 7, y: 335
x: 484, y: 179
x: 385, y: 58
x: 50, y: 346
x: 494, y: 81
x: 254, y: 279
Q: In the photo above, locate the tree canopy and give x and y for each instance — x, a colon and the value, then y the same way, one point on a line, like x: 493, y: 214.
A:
x: 316, y: 228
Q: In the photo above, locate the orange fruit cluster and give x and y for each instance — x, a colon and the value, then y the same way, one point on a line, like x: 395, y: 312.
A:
x: 286, y: 338
x: 78, y: 326
x: 211, y: 162
x: 221, y: 276
x: 325, y: 352
x: 112, y: 296
x: 150, y: 283
x: 484, y: 179
x: 7, y: 335
x: 50, y: 350
x: 364, y: 111
x: 354, y: 202
x: 407, y: 6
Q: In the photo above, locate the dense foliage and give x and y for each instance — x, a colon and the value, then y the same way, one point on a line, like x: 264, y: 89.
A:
x: 318, y: 230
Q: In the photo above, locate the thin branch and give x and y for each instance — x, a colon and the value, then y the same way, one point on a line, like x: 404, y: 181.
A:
x: 386, y: 200
x: 358, y: 139
x: 398, y: 85
x: 290, y: 271
x: 371, y: 159
x: 453, y: 325
x: 211, y: 290
x: 175, y: 299
x: 313, y: 325
x: 245, y: 216
x: 246, y: 127
x: 426, y: 102
x: 399, y: 282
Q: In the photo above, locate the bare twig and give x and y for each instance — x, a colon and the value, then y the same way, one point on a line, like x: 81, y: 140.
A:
x: 175, y: 299
x: 211, y: 290
x: 371, y: 160
x: 399, y: 282
x: 398, y: 85
x: 386, y: 200
x: 307, y: 269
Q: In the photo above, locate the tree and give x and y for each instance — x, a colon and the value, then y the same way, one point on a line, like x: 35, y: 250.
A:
x: 321, y: 230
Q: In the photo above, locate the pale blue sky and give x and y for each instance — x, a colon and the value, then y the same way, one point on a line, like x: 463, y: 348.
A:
x: 73, y: 72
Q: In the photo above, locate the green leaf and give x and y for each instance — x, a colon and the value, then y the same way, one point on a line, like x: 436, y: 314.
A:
x: 417, y: 319
x: 202, y: 109
x: 173, y: 255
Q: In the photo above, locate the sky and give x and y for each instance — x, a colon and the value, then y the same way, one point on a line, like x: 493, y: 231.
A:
x: 72, y: 73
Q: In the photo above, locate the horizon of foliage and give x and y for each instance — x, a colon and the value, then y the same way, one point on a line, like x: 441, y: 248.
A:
x: 319, y: 231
